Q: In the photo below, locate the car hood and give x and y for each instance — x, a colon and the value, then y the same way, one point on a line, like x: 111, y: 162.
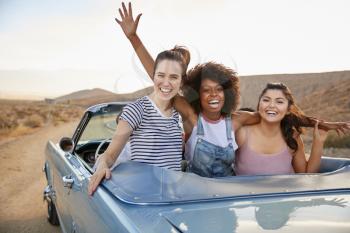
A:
x: 305, y: 214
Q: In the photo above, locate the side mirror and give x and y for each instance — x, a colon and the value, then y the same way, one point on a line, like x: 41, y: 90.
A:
x: 66, y: 144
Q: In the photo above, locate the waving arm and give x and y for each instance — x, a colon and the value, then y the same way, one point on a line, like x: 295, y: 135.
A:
x: 129, y: 27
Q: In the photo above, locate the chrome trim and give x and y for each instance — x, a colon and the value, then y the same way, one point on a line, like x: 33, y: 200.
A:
x: 49, y: 194
x: 68, y: 181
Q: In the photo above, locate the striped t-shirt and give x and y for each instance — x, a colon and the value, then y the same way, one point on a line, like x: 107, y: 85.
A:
x: 155, y: 139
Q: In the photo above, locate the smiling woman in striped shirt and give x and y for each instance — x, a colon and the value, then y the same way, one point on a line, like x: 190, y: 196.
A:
x: 208, y: 112
x: 150, y: 123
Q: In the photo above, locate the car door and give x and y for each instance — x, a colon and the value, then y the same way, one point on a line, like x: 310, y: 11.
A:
x: 78, y: 212
x: 61, y: 171
x: 89, y: 214
x: 75, y: 194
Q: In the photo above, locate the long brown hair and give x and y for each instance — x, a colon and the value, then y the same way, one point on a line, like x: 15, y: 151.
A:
x: 294, y: 120
x: 179, y: 53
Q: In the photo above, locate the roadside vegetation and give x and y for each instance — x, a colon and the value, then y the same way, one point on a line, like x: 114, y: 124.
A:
x: 22, y: 117
x: 334, y: 141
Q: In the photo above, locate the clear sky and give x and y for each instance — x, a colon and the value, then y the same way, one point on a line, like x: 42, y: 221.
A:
x: 50, y: 47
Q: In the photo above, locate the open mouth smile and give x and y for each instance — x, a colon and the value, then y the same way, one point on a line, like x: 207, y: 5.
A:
x: 165, y: 90
x: 214, y: 103
x: 271, y: 113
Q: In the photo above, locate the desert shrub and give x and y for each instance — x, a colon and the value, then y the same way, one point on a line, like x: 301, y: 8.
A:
x: 23, y: 117
x: 21, y: 113
x: 7, y: 122
x: 335, y: 141
x: 33, y: 121
x: 44, y: 116
x: 20, y: 130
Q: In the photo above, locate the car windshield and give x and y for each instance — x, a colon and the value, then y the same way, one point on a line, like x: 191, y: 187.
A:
x: 100, y: 127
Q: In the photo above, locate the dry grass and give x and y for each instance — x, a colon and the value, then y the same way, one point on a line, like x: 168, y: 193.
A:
x: 34, y: 121
x: 334, y: 141
x: 23, y: 117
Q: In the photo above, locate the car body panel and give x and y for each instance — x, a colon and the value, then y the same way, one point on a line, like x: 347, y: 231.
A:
x: 144, y: 198
x: 163, y: 186
x: 77, y: 211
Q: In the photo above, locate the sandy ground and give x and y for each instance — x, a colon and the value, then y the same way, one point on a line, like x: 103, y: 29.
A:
x: 22, y: 181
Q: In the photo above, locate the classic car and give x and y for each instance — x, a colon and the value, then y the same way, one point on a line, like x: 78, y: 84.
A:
x: 145, y: 198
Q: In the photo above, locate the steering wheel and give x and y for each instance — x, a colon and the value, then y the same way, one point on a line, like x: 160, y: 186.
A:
x: 97, y: 153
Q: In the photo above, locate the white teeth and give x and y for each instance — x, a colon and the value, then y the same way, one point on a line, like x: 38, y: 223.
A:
x: 271, y: 113
x: 165, y: 90
x: 214, y: 102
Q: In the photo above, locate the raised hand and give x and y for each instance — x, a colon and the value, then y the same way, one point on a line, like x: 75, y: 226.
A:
x: 339, y: 127
x: 319, y: 134
x: 127, y: 22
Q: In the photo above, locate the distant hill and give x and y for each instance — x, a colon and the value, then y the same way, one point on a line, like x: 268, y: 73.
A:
x: 326, y: 95
x: 85, y: 94
x: 331, y: 102
x: 94, y: 96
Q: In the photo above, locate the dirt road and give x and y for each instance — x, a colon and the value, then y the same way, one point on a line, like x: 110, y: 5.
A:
x: 22, y: 181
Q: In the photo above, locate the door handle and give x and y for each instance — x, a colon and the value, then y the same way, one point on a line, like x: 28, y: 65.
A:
x: 67, y: 181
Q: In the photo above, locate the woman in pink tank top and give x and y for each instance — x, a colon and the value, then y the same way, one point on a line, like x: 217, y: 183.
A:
x: 274, y: 146
x: 211, y: 89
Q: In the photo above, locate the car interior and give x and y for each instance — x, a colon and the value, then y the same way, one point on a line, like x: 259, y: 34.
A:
x: 87, y: 153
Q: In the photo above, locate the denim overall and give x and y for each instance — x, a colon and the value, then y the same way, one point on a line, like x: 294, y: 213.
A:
x: 210, y: 160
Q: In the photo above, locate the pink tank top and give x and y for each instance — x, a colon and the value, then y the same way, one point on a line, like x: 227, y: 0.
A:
x: 249, y: 162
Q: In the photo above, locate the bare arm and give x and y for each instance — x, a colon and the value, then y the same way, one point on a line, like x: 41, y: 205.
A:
x: 241, y: 136
x: 319, y: 138
x: 313, y: 164
x: 187, y: 113
x: 299, y: 161
x: 107, y: 159
x: 129, y: 27
x: 340, y: 127
x: 242, y: 118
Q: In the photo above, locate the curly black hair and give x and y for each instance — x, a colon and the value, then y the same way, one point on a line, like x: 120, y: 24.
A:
x: 219, y: 73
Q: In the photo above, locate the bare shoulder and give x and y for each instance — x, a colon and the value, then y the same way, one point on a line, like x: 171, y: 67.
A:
x: 237, y: 120
x: 241, y: 135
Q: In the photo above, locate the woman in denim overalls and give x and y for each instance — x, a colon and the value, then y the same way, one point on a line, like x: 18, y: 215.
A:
x: 212, y: 91
x: 209, y: 159
x: 216, y: 102
x: 210, y: 148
